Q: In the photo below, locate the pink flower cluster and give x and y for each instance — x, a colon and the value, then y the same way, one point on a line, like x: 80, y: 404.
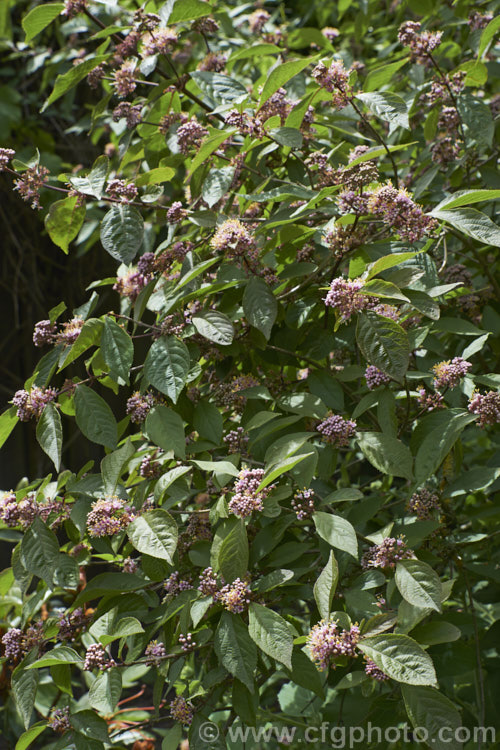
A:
x: 214, y: 62
x: 397, y: 209
x: 423, y: 504
x: 176, y: 213
x: 235, y: 596
x: 386, y: 554
x: 336, y: 430
x: 181, y: 710
x: 357, y: 175
x: 30, y: 182
x: 6, y: 154
x: 421, y: 45
x: 126, y: 192
x: 139, y: 405
x: 236, y: 440
x: 334, y: 79
x: 59, y: 720
x: 303, y: 503
x: 108, y: 516
x: 190, y: 135
x: 234, y: 240
x: 155, y: 653
x: 375, y: 377
x: 71, y: 624
x: 30, y: 404
x: 132, y: 113
x: 131, y: 284
x: 448, y: 373
x: 257, y: 20
x: 247, y: 498
x: 429, y: 401
x: 345, y: 297
x: 486, y: 406
x: 326, y: 641
x: 73, y: 7
x: 186, y: 642
x: 124, y: 81
x: 159, y: 41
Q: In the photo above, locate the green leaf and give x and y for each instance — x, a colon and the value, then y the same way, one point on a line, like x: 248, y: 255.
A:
x: 281, y: 74
x: 276, y: 470
x: 167, y: 366
x: 231, y: 552
x: 219, y: 87
x: 387, y: 454
x: 430, y: 710
x: 337, y: 531
x: 325, y: 586
x: 471, y: 222
x: 400, y: 657
x: 64, y: 220
x: 287, y: 137
x: 423, y: 303
x: 122, y: 232
x: 437, y: 441
x: 166, y: 429
x: 208, y: 421
x: 487, y: 35
x: 256, y: 50
x: 235, y: 649
x: 39, y: 550
x: 465, y: 198
x: 214, y: 326
x: 272, y: 634
x: 113, y: 465
x: 217, y: 183
x: 90, y: 725
x: 188, y: 10
x: 26, y: 739
x: 24, y: 684
x: 124, y: 627
x: 388, y: 106
x: 93, y: 184
x: 8, y: 420
x: 260, y: 305
x: 154, y: 533
x: 274, y: 579
x: 419, y: 584
x: 39, y: 18
x: 105, y: 691
x: 208, y: 146
x: 382, y: 75
x: 388, y: 261
x: 49, y: 434
x: 381, y: 288
x: 59, y: 655
x: 155, y: 176
x: 94, y: 417
x: 432, y: 633
x: 117, y: 349
x: 384, y: 344
x: 74, y: 75
x: 109, y: 583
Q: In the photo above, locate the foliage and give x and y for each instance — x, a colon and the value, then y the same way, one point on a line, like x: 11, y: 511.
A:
x: 288, y: 380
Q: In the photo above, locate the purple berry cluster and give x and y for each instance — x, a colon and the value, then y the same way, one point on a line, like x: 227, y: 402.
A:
x: 336, y: 430
x: 181, y: 710
x: 236, y: 440
x: 421, y: 44
x: 132, y: 113
x: 386, y: 554
x: 346, y: 298
x: 44, y: 333
x: 397, y: 209
x: 24, y: 512
x: 139, y: 405
x: 59, y: 720
x: 429, y: 401
x: 124, y: 82
x: 449, y: 373
x: 71, y: 624
x: 121, y: 190
x: 334, y: 79
x: 130, y: 565
x: 373, y: 671
x: 327, y: 641
x: 30, y: 404
x: 176, y: 213
x: 235, y: 596
x: 303, y: 503
x: 375, y: 377
x: 246, y: 498
x: 186, y: 642
x: 14, y: 644
x: 155, y: 653
x: 108, y: 516
x: 190, y: 135
x: 486, y: 406
x: 173, y: 585
x: 208, y: 582
x: 423, y: 504
x: 97, y: 658
x: 149, y: 468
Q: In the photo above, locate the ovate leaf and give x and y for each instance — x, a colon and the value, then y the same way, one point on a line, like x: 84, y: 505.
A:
x: 214, y: 326
x: 49, y: 434
x: 39, y: 18
x: 236, y: 651
x: 64, y: 220
x: 337, y: 531
x: 117, y: 349
x: 471, y: 222
x: 386, y: 453
x: 166, y: 429
x: 260, y: 305
x: 432, y: 711
x: 325, y: 586
x: 154, y: 533
x: 24, y: 683
x: 272, y: 634
x: 419, y: 584
x: 400, y: 657
x: 74, y: 75
x: 94, y: 417
x: 122, y: 232
x: 384, y: 343
x: 388, y: 106
x: 167, y: 365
